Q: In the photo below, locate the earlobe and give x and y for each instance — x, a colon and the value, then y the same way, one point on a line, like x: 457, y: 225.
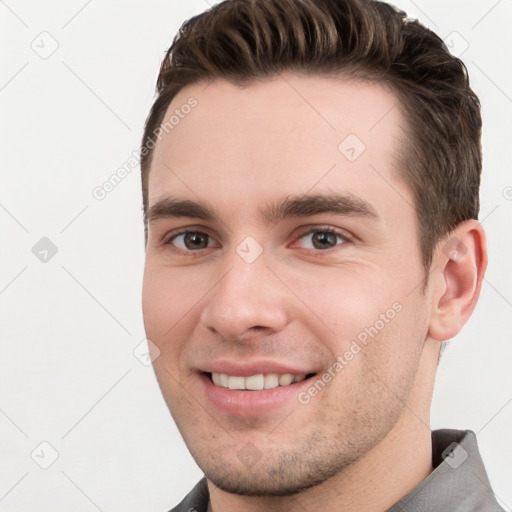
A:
x: 460, y: 264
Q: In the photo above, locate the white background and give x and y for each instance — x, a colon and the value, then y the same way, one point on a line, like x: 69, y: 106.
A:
x: 69, y: 326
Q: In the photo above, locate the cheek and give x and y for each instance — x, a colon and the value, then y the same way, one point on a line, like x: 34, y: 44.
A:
x: 162, y: 307
x: 368, y: 312
x: 172, y: 299
x: 168, y: 297
x: 347, y: 300
x: 167, y: 313
x: 393, y: 343
x: 381, y: 365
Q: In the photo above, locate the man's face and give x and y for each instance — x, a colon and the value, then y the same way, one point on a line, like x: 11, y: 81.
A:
x: 250, y: 273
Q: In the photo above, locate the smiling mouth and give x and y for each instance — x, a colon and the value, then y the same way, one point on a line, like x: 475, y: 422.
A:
x: 256, y: 382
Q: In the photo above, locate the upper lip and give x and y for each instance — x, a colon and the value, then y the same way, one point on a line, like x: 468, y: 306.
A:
x: 247, y: 368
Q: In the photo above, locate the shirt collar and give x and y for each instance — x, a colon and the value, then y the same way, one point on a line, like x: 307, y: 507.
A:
x: 458, y: 481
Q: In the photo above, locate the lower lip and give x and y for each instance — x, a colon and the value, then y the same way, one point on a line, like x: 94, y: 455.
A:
x: 250, y: 403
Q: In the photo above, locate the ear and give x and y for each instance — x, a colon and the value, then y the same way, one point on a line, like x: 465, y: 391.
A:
x: 459, y: 267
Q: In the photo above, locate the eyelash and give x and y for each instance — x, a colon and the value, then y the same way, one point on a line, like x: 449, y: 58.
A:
x: 308, y: 231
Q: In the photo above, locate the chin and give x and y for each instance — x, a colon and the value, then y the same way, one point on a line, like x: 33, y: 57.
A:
x: 289, y: 474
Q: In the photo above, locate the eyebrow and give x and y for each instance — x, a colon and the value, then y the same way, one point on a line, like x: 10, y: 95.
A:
x: 307, y: 205
x: 290, y: 206
x: 170, y: 207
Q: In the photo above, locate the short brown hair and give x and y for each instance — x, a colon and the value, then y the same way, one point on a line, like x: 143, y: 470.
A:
x: 246, y: 40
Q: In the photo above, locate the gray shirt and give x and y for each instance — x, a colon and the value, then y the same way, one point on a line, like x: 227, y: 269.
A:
x: 458, y: 482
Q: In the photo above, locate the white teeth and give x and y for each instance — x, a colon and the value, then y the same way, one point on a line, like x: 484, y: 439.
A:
x: 256, y: 382
x: 223, y: 379
x: 271, y: 380
x: 236, y: 382
x: 285, y: 379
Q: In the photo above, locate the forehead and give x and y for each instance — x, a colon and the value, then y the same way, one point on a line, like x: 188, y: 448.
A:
x: 288, y: 134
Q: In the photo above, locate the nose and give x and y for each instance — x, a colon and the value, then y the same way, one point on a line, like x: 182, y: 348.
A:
x: 248, y: 300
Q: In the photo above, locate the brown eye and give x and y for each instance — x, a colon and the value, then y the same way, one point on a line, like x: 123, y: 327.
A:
x: 190, y: 241
x: 321, y: 239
